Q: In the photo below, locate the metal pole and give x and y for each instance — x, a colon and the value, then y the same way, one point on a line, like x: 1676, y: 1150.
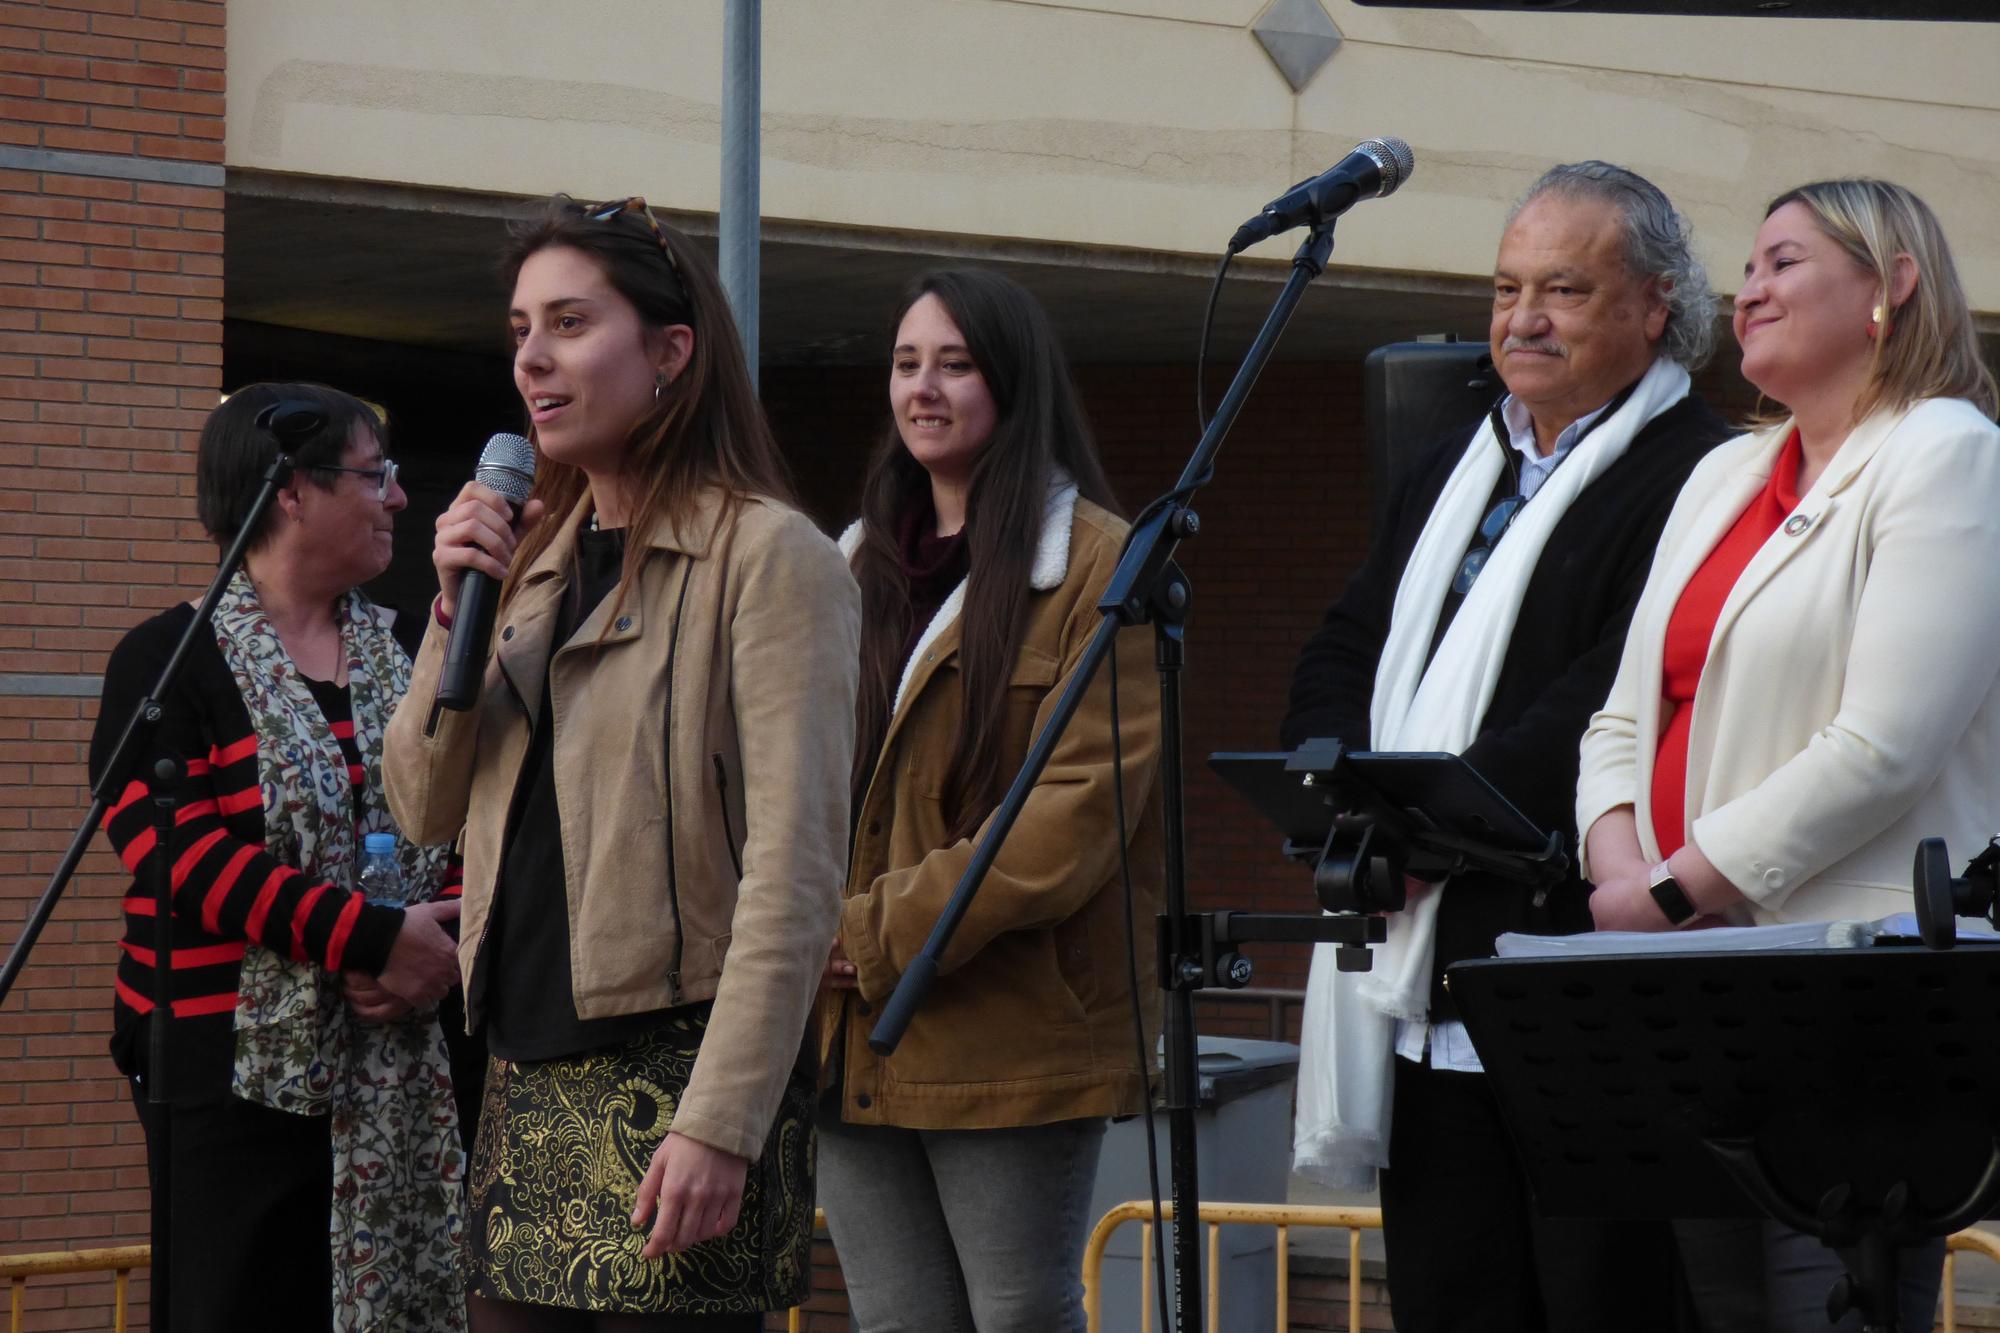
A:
x: 737, y: 229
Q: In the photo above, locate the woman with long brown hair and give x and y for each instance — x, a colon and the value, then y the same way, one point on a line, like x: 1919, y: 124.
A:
x: 652, y: 786
x: 955, y: 1172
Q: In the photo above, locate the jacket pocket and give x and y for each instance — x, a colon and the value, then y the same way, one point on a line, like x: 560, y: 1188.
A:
x: 728, y: 828
x: 1033, y: 668
x: 1067, y: 1006
x: 1029, y: 682
x: 1076, y: 962
x: 1029, y: 686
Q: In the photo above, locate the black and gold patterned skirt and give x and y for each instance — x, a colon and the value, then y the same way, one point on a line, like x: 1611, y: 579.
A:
x: 555, y: 1171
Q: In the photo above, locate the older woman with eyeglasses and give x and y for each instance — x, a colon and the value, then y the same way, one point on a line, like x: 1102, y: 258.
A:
x: 304, y: 1037
x: 653, y: 788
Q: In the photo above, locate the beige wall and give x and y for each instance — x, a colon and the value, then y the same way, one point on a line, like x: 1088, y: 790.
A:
x: 1154, y: 125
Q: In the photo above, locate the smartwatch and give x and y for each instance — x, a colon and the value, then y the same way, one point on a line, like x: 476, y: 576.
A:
x: 1671, y: 898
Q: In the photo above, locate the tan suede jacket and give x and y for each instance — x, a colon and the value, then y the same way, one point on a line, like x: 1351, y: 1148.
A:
x: 1030, y: 1018
x: 740, y: 644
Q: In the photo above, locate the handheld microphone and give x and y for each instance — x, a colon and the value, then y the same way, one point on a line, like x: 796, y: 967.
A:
x: 506, y: 465
x: 1375, y: 168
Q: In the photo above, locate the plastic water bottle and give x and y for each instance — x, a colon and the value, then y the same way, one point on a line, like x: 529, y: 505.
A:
x: 381, y: 880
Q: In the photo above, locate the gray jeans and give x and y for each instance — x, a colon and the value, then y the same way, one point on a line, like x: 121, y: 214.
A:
x: 951, y: 1231
x: 1759, y: 1277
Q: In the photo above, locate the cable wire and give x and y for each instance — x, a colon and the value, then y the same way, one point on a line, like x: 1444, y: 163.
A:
x: 1201, y: 347
x: 1138, y: 1013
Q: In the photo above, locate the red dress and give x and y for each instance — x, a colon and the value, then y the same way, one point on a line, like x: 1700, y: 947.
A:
x: 1691, y: 628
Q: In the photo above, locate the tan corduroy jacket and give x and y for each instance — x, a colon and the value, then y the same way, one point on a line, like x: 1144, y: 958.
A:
x: 1029, y: 1021
x: 701, y: 764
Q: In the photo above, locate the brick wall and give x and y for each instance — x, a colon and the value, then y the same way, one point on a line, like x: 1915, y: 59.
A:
x: 110, y: 355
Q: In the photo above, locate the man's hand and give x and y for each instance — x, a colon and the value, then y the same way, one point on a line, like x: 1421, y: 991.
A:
x: 691, y: 1191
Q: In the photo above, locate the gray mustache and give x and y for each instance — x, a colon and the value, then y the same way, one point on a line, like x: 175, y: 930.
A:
x: 1547, y: 345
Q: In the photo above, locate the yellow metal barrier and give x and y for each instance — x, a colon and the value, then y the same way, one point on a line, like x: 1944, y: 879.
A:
x: 1977, y: 1242
x: 120, y: 1260
x: 1283, y: 1216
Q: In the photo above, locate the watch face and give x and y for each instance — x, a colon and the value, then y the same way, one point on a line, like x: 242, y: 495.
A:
x: 1673, y: 899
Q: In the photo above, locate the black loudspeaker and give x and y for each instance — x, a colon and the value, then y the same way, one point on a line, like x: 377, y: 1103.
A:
x: 1416, y: 394
x: 1957, y: 11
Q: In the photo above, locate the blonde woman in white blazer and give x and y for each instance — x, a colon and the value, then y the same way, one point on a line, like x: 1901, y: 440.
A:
x: 1839, y: 565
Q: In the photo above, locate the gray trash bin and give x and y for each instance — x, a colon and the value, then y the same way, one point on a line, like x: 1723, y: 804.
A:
x: 1243, y: 1150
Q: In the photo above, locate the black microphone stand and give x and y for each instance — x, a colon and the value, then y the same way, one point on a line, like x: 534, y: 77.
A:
x: 133, y: 744
x: 1148, y: 587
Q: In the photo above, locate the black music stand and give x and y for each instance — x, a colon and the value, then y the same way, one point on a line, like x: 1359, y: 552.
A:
x: 1852, y: 1094
x: 1363, y: 819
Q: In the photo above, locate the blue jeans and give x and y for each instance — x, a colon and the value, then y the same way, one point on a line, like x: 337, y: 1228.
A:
x: 948, y: 1231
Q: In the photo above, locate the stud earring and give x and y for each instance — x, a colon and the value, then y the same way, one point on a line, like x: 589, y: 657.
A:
x: 1876, y: 326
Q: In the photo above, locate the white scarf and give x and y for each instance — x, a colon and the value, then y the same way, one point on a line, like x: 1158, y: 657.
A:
x: 1349, y: 1026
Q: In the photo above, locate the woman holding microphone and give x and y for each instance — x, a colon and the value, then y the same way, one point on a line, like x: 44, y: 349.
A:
x: 1809, y: 685
x: 956, y: 1173
x: 653, y: 789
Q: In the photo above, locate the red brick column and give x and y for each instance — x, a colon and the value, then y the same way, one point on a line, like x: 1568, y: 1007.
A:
x: 110, y: 355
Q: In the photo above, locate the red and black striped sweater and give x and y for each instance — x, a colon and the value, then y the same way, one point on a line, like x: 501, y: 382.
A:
x: 227, y: 889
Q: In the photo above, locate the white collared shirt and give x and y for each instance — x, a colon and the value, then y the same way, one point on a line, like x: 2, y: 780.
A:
x: 1450, y: 1044
x: 1535, y: 468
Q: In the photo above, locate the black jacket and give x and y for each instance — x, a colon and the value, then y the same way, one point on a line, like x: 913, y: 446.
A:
x: 1557, y: 671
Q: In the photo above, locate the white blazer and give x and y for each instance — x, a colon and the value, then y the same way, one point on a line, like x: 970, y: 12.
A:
x: 1850, y: 703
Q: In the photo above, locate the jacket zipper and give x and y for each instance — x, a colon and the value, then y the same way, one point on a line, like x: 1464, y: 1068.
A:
x: 667, y: 766
x: 728, y: 829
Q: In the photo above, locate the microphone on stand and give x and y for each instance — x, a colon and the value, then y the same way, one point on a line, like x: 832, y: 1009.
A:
x: 291, y: 422
x: 506, y: 465
x: 1375, y: 168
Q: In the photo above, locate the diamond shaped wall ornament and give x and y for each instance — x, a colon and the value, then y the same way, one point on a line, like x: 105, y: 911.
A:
x: 1299, y: 38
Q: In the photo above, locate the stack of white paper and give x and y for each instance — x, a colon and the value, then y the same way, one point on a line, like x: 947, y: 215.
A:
x: 1729, y: 939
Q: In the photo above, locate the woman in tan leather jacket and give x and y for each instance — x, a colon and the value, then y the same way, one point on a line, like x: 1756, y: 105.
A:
x: 955, y: 1173
x: 653, y: 792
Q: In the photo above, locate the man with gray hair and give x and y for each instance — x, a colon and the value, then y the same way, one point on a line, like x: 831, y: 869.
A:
x: 1487, y: 621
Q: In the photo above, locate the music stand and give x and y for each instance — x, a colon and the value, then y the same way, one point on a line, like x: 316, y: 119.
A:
x: 1852, y: 1094
x: 1363, y: 819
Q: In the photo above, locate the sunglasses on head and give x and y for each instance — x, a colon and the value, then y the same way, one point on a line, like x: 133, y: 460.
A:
x: 635, y: 205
